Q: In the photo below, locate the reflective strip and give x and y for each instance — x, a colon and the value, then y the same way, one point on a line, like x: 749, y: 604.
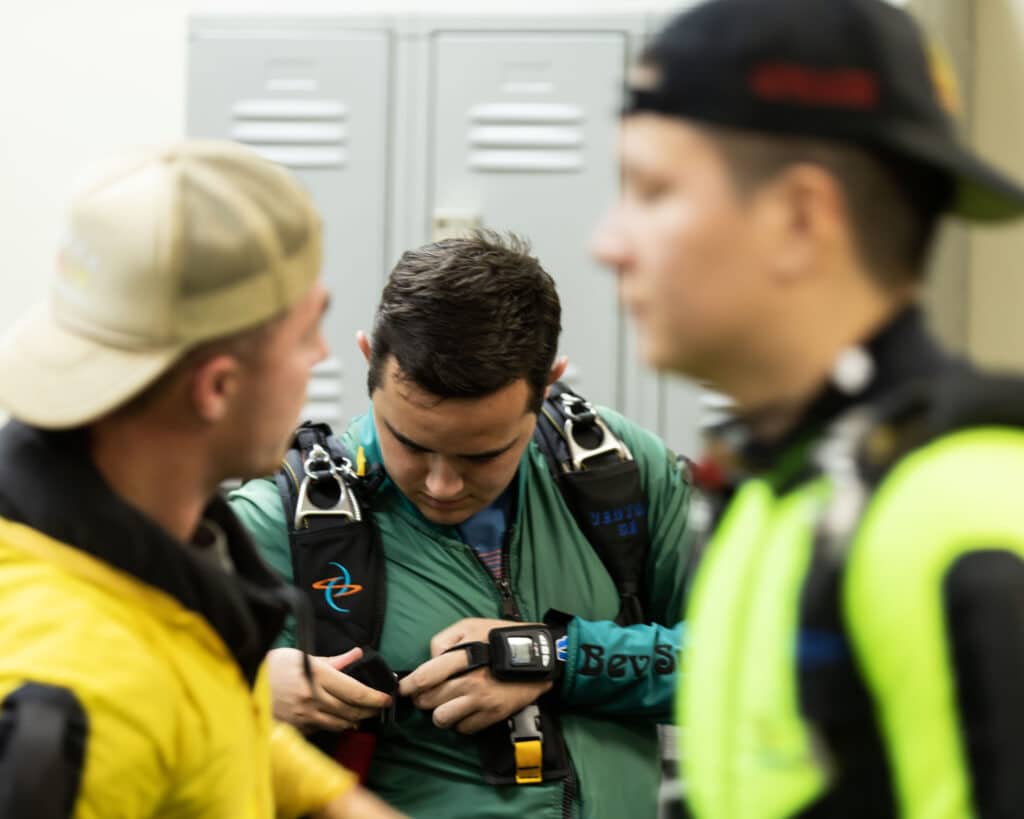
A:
x: 955, y: 496
x: 529, y: 754
x: 740, y: 703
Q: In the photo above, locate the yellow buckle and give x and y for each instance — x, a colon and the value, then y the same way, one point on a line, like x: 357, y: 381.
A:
x: 529, y: 753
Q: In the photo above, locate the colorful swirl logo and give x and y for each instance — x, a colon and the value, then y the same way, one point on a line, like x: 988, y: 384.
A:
x: 340, y: 585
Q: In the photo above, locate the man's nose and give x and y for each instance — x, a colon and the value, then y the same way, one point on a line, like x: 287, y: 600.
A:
x: 443, y: 482
x: 607, y: 242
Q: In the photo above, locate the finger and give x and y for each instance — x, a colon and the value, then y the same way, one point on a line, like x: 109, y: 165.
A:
x: 477, y: 721
x: 454, y: 711
x: 328, y: 722
x: 338, y: 709
x: 448, y: 638
x: 340, y: 661
x: 349, y: 690
x: 433, y: 672
x: 440, y: 694
x: 329, y: 703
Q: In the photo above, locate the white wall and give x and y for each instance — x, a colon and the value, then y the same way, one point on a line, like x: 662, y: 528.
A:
x: 996, y: 284
x: 77, y: 81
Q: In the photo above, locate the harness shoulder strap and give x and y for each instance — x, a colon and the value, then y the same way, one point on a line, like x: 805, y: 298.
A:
x: 337, y: 558
x: 43, y: 732
x: 600, y: 483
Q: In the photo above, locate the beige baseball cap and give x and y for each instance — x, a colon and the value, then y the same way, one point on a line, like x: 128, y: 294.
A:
x: 164, y: 250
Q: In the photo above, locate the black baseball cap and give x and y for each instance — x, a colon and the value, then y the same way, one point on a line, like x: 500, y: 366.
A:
x: 856, y: 71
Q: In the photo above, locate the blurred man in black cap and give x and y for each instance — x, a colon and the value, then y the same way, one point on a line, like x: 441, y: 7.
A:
x: 855, y: 641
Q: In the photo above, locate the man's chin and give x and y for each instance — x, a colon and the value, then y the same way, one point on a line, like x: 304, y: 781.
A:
x: 654, y: 354
x: 446, y: 517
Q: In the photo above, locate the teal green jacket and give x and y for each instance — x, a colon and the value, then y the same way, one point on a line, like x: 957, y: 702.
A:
x: 619, y: 682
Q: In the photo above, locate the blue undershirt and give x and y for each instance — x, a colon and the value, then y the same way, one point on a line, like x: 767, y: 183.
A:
x: 485, y: 531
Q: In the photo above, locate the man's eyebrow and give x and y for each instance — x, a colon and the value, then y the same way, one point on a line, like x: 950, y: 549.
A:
x: 406, y: 441
x: 490, y: 453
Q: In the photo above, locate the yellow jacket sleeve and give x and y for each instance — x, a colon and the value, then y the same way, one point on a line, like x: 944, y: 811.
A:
x: 304, y: 779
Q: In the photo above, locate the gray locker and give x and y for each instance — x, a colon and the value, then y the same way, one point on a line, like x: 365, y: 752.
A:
x: 314, y: 99
x: 406, y: 127
x: 523, y: 131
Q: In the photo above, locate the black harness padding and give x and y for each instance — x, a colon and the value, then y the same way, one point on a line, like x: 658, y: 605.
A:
x: 600, y: 482
x: 337, y: 558
x: 497, y: 756
x: 43, y: 732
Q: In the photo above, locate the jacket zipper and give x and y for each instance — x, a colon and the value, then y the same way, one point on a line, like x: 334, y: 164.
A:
x: 509, y: 606
x: 510, y: 611
x: 568, y: 788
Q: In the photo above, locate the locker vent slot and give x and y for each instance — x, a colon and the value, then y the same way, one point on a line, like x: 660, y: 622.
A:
x: 324, y: 394
x: 293, y: 133
x: 527, y: 136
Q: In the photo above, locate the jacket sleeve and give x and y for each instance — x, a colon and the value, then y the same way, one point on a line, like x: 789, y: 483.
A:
x: 622, y: 671
x: 85, y: 704
x: 631, y: 671
x: 304, y: 779
x: 258, y: 506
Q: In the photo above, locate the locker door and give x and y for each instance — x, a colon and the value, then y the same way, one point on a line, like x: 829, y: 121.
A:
x: 523, y: 137
x: 317, y: 102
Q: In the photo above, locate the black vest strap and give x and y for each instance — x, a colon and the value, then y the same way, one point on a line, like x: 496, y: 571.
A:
x: 337, y: 559
x: 43, y: 732
x: 600, y: 482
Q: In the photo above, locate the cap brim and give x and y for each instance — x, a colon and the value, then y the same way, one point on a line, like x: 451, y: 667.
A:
x: 982, y: 193
x: 54, y: 379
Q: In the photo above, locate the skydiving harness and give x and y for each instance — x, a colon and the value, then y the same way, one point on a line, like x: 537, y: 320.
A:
x: 338, y: 560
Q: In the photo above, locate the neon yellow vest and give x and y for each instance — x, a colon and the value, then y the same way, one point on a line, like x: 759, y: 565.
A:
x: 746, y: 751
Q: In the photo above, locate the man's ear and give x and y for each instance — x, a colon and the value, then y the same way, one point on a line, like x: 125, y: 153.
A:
x: 807, y: 214
x: 557, y: 371
x: 214, y: 384
x: 363, y: 343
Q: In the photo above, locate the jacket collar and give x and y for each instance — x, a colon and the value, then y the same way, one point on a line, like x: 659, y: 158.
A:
x: 49, y: 482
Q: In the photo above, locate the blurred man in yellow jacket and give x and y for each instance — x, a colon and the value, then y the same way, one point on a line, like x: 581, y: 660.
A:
x: 174, y: 352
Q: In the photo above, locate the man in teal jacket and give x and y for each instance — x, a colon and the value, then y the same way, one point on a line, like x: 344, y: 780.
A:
x: 855, y: 629
x: 477, y: 535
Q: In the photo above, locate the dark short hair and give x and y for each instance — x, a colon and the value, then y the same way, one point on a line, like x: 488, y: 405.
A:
x: 894, y: 203
x: 466, y: 317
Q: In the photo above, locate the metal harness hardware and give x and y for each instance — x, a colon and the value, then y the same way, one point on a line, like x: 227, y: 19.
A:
x: 579, y: 411
x: 320, y: 467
